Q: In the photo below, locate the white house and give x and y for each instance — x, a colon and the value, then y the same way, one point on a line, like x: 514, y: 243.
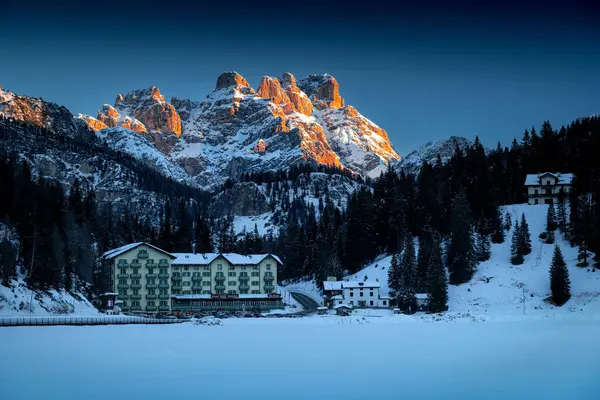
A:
x: 355, y: 294
x: 543, y: 188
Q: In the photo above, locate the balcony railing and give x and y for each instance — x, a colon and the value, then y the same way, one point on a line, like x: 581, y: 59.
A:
x: 151, y: 308
x: 244, y: 287
x: 163, y: 285
x: 122, y: 286
x: 151, y: 286
x: 176, y: 278
x: 219, y: 287
x: 269, y: 288
x: 143, y: 254
x: 176, y: 287
x: 123, y: 297
x: 163, y: 308
x: 136, y: 286
x: 196, y: 279
x: 135, y: 308
x: 163, y: 263
x: 220, y: 278
x: 151, y: 276
x: 244, y: 278
x: 136, y: 264
x: 135, y: 297
x: 163, y: 276
x: 122, y: 276
x: 135, y: 276
x: 269, y: 278
x: 150, y: 297
x: 164, y: 296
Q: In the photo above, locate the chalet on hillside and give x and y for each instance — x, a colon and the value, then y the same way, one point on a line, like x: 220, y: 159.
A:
x: 544, y: 188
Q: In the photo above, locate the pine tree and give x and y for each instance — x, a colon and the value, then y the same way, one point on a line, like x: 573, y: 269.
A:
x: 516, y: 255
x: 561, y: 212
x: 550, y: 218
x: 582, y: 254
x: 549, y: 237
x: 407, y: 275
x: 560, y: 284
x: 507, y: 221
x: 437, y: 280
x: 497, y: 227
x: 460, y: 258
x: 424, y: 259
x: 525, y: 237
x: 394, y: 281
x: 482, y: 247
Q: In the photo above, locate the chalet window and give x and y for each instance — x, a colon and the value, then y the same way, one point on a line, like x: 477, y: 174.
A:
x: 231, y: 273
x: 351, y: 294
x: 371, y: 294
x: 206, y: 273
x: 371, y: 302
x: 268, y: 267
x: 547, y: 183
x: 243, y: 267
x: 186, y: 268
x: 340, y: 302
x: 361, y: 294
x: 384, y: 302
x: 536, y: 191
x: 254, y: 283
x: 220, y: 267
x: 232, y: 283
x: 231, y: 267
x: 255, y: 267
x: 255, y: 273
x: 207, y: 268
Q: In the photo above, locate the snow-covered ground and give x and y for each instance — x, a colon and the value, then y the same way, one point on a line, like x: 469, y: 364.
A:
x: 19, y: 300
x: 305, y: 358
x: 262, y: 222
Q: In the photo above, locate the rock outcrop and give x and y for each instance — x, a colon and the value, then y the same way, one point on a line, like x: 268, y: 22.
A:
x: 150, y: 108
x: 323, y: 90
x: 299, y: 99
x: 231, y: 78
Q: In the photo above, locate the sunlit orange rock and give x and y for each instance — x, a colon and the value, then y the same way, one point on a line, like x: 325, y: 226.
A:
x: 260, y: 147
x: 323, y: 90
x: 270, y: 88
x: 301, y: 102
x: 231, y: 78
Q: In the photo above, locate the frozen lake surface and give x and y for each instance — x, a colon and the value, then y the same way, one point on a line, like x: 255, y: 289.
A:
x: 308, y: 358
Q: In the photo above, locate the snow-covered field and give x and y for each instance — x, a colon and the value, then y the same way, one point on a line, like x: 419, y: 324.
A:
x: 305, y: 358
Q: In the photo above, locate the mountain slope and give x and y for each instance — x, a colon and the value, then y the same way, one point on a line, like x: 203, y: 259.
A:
x: 497, y: 287
x: 445, y: 147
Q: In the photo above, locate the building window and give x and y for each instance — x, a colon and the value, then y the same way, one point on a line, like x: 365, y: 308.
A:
x: 206, y: 283
x: 231, y: 273
x: 536, y: 191
x: 151, y: 303
x: 186, y: 283
x: 361, y: 293
x: 243, y: 267
x: 351, y: 294
x: 135, y: 303
x: 220, y: 267
x: 163, y: 291
x: 151, y: 281
x: 123, y: 271
x: 196, y: 268
x: 255, y: 267
x: 254, y: 283
x: 124, y: 304
x: 268, y: 266
x: 206, y: 274
x: 231, y: 292
x: 206, y: 268
x: 232, y: 283
x: 164, y: 303
x: 371, y: 294
x: 151, y: 291
x: 150, y: 270
x: 123, y: 292
x: 186, y: 268
x: 256, y: 292
x: 255, y: 273
x: 384, y: 302
x: 371, y: 302
x: 206, y: 292
x: 536, y: 201
x: 340, y: 302
x: 122, y: 281
x: 136, y: 292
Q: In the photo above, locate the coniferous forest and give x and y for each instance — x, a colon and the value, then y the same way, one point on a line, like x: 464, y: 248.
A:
x: 450, y: 209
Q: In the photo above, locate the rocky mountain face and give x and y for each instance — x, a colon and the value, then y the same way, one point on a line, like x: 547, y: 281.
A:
x: 429, y: 151
x: 237, y: 129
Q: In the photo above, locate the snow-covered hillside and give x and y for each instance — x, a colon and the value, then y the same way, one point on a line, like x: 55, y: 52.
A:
x: 19, y: 300
x: 498, y: 287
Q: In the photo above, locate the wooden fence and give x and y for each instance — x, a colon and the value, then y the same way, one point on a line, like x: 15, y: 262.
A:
x: 48, y: 321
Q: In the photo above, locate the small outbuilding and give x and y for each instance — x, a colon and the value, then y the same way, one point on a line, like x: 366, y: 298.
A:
x: 322, y: 310
x: 422, y: 301
x: 342, y: 309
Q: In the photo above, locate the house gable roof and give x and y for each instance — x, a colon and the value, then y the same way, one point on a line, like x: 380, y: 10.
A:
x: 561, y: 179
x: 123, y: 249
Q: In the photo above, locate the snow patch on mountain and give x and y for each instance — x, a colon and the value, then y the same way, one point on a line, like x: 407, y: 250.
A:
x: 411, y: 163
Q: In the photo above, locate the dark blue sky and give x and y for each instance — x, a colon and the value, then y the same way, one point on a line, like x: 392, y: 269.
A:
x: 421, y: 72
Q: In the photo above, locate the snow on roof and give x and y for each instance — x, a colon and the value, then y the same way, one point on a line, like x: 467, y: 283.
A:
x: 534, y: 179
x: 109, y: 294
x: 337, y: 297
x: 355, y: 284
x: 421, y: 296
x: 332, y: 285
x: 238, y: 259
x: 322, y: 308
x: 342, y: 306
x: 120, y: 250
x: 194, y: 259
